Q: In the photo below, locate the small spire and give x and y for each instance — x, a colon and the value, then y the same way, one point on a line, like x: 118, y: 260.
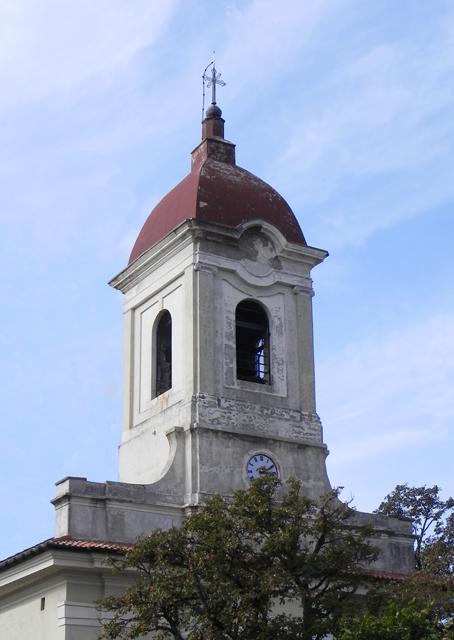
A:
x: 213, y: 110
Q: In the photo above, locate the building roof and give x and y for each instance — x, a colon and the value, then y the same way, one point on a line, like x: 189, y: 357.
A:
x: 387, y: 575
x: 219, y: 191
x: 64, y: 543
x: 68, y: 543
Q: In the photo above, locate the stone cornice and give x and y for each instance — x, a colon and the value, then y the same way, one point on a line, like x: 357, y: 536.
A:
x: 303, y: 291
x: 192, y: 231
x: 207, y: 268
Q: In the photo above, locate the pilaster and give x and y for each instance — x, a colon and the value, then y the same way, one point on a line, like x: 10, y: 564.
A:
x: 205, y: 327
x: 305, y: 340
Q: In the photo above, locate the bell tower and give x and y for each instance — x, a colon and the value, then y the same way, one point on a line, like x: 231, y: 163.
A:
x: 218, y: 360
x: 218, y: 388
x: 218, y: 346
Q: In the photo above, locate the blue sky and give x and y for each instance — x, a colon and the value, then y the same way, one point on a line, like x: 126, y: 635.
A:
x: 345, y: 107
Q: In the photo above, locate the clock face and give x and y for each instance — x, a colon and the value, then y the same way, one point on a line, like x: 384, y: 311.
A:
x: 258, y: 465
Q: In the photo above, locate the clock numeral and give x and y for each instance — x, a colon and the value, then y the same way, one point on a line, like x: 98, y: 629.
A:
x: 259, y: 465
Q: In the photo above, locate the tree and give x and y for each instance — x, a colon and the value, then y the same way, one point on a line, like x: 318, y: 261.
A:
x: 437, y: 556
x: 236, y: 567
x: 420, y: 607
x: 397, y: 622
x: 427, y: 511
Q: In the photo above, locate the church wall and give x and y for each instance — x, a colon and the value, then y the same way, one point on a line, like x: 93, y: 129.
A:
x: 200, y: 276
x: 259, y: 266
x: 165, y: 286
x: 394, y: 538
x: 224, y: 458
x: 82, y: 621
x: 144, y: 454
x: 69, y: 581
x: 119, y: 512
x: 21, y: 617
x: 147, y: 459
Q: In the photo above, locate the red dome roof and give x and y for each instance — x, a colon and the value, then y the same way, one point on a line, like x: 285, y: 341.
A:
x: 218, y: 191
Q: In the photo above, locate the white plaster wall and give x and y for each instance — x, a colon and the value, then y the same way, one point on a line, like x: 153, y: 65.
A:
x: 21, y: 617
x: 146, y: 317
x: 166, y: 272
x: 145, y: 452
x: 70, y: 583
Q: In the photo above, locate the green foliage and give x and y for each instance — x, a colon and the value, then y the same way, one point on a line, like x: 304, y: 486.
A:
x: 234, y: 566
x: 427, y: 511
x: 398, y: 622
x: 235, y: 569
x: 437, y: 556
x: 420, y: 607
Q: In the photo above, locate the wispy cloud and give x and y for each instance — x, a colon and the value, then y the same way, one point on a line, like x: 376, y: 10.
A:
x: 387, y: 405
x: 51, y: 48
x: 391, y: 387
x: 383, y: 112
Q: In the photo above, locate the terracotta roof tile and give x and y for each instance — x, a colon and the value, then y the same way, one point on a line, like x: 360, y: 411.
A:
x: 93, y: 545
x: 63, y: 543
x: 386, y: 575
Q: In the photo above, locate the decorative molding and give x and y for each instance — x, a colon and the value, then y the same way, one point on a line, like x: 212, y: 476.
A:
x: 80, y: 614
x: 295, y: 439
x: 303, y: 291
x: 207, y: 268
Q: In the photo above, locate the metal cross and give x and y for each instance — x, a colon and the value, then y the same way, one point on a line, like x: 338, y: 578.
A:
x: 213, y: 81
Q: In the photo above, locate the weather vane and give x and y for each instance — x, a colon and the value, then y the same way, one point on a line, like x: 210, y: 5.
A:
x: 211, y: 81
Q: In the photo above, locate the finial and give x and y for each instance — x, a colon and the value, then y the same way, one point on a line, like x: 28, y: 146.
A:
x: 213, y: 110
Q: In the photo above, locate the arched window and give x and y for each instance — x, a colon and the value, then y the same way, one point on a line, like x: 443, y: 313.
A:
x: 164, y: 354
x: 252, y: 343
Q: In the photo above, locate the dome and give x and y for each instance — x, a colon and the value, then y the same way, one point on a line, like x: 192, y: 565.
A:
x: 218, y: 191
